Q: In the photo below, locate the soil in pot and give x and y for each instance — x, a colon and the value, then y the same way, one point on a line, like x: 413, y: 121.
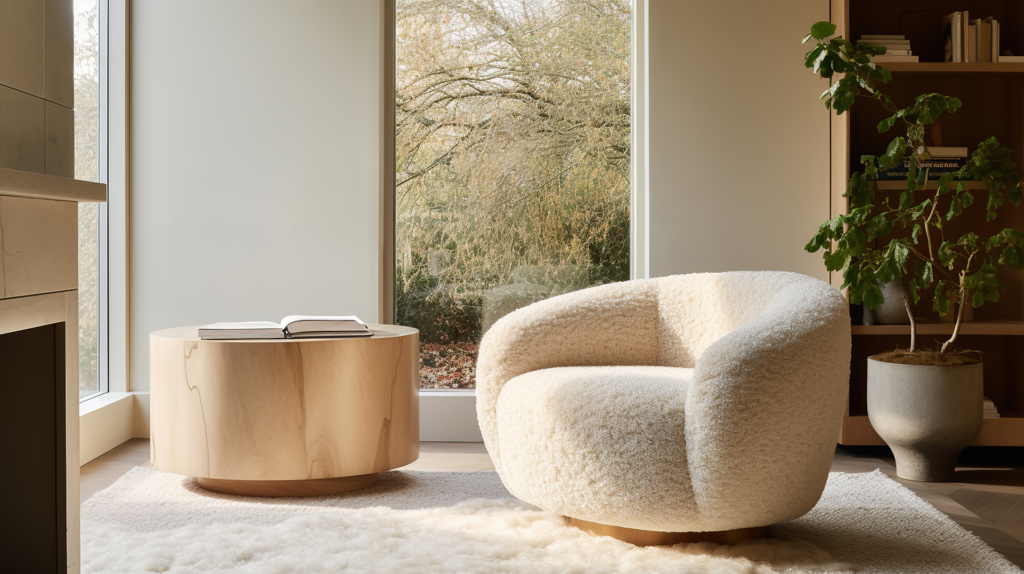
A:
x: 929, y: 358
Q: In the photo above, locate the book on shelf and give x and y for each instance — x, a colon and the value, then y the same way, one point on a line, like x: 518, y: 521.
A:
x: 894, y: 59
x: 986, y: 41
x: 972, y: 42
x: 940, y: 151
x: 953, y: 33
x: 983, y: 40
x: 993, y: 48
x: 897, y: 48
x: 944, y: 160
x: 989, y: 409
x: 291, y: 327
x: 965, y: 19
x: 1011, y: 59
x: 893, y: 44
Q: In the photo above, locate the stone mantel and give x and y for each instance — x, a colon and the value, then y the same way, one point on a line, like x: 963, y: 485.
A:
x: 17, y: 183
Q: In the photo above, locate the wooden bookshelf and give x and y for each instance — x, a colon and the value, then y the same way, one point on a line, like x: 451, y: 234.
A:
x: 1005, y: 431
x: 992, y: 95
x: 932, y: 184
x: 954, y: 67
x: 1004, y: 328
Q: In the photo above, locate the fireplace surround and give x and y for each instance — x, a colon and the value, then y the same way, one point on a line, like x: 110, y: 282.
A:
x: 39, y: 368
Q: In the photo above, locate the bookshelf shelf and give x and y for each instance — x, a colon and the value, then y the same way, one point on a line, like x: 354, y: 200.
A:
x: 954, y: 68
x: 992, y: 96
x: 1005, y: 328
x: 1005, y: 431
x: 932, y: 184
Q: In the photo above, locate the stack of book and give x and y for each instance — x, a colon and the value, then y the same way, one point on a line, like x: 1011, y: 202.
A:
x: 983, y: 40
x: 944, y: 160
x: 990, y: 409
x: 969, y: 40
x: 897, y: 47
x: 291, y: 327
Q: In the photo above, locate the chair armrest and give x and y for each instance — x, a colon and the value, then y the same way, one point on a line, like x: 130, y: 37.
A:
x: 770, y: 395
x: 614, y: 324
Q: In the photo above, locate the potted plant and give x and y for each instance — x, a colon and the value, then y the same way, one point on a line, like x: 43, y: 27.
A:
x: 925, y: 404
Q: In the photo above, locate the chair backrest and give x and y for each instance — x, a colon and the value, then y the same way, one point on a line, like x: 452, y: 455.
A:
x: 698, y: 309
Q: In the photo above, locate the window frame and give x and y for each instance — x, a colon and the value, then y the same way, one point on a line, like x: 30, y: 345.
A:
x: 639, y: 205
x: 103, y: 303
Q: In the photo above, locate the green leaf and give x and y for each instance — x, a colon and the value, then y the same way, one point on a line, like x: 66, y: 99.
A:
x: 894, y: 153
x: 879, y: 226
x: 900, y: 253
x: 923, y: 277
x: 977, y: 299
x: 845, y: 102
x: 915, y: 233
x: 873, y: 297
x: 946, y: 255
x: 820, y: 60
x: 835, y: 261
x: 806, y: 38
x: 813, y: 56
x: 956, y: 207
x: 886, y: 124
x: 822, y: 30
x: 940, y: 302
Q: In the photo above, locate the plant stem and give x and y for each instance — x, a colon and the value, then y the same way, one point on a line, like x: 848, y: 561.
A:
x: 959, y: 314
x: 913, y: 325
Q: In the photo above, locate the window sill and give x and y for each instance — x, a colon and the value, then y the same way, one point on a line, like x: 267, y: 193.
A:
x: 447, y: 392
x: 449, y: 415
x: 108, y: 420
x: 100, y: 401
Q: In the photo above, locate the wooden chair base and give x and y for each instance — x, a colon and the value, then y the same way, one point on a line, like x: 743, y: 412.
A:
x: 653, y: 538
x: 281, y: 488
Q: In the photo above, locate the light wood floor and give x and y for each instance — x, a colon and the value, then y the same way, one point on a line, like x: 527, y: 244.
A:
x: 987, y: 499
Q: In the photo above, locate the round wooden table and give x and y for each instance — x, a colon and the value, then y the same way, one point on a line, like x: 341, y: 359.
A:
x: 284, y: 417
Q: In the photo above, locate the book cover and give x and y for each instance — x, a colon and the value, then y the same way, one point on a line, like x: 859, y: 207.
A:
x: 894, y: 59
x: 964, y: 34
x: 972, y: 43
x: 952, y: 37
x: 893, y: 45
x: 996, y: 41
x: 935, y: 166
x: 985, y: 53
x: 940, y: 151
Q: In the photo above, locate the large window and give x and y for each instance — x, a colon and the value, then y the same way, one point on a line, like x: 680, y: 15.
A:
x: 89, y: 156
x: 512, y: 164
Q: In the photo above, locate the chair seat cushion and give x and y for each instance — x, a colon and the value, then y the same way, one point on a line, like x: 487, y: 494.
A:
x: 604, y: 444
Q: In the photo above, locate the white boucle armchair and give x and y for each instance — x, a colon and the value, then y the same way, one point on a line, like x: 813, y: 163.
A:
x: 693, y: 403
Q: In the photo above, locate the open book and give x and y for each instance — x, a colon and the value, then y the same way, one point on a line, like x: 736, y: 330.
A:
x: 291, y: 327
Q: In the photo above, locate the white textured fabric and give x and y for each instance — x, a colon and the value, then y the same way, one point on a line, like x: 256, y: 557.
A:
x: 696, y: 402
x: 424, y: 522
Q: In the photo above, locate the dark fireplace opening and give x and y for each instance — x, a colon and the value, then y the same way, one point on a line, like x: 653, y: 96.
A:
x: 32, y: 422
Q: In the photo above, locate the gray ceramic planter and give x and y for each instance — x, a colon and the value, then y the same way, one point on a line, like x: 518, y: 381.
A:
x: 926, y: 415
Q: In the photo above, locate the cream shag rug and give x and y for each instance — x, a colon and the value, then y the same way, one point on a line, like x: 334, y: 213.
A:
x: 151, y: 521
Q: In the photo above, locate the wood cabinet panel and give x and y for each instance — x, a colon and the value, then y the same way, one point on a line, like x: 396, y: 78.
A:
x: 38, y: 246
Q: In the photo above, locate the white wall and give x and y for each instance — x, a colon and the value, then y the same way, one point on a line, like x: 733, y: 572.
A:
x: 256, y: 126
x: 255, y: 182
x: 730, y: 107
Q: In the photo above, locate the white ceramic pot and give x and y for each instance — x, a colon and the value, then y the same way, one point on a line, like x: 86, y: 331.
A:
x: 893, y: 311
x: 926, y: 415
